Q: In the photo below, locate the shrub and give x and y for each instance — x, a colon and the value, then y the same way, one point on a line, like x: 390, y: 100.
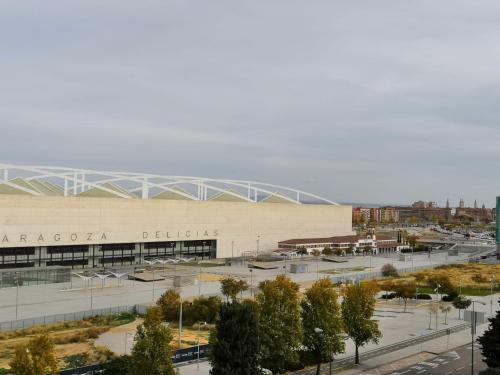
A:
x: 479, y: 278
x: 202, y: 309
x: 327, y: 251
x: 450, y: 297
x: 424, y: 296
x: 388, y: 296
x: 388, y: 270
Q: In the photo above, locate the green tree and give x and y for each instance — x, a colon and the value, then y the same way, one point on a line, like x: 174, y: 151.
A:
x: 405, y: 290
x: 443, y: 281
x: 322, y: 323
x: 152, y: 353
x: 170, y: 303
x: 202, y: 309
x: 118, y: 366
x: 231, y: 287
x: 35, y: 358
x: 235, y: 340
x: 280, y: 326
x: 461, y: 303
x: 358, y: 307
x: 490, y: 342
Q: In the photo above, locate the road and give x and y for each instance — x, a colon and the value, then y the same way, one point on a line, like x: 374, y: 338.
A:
x: 456, y: 362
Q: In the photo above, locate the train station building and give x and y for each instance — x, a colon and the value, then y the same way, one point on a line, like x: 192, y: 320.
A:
x: 52, y: 216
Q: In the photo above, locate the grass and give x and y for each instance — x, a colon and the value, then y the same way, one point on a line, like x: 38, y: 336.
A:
x: 70, y: 338
x: 335, y: 271
x: 472, y: 279
x: 474, y: 292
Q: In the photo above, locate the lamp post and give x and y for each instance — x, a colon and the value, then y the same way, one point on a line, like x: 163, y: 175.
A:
x: 343, y: 336
x: 127, y: 334
x: 251, y: 283
x: 492, y: 280
x: 16, y: 277
x: 91, y: 293
x: 180, y: 322
x: 199, y: 328
x: 153, y: 282
x: 473, y: 332
x: 437, y: 300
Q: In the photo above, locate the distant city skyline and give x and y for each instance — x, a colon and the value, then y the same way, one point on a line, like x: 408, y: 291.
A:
x: 386, y: 101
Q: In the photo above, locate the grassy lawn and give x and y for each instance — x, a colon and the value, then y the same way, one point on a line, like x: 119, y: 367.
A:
x: 470, y: 279
x: 335, y: 271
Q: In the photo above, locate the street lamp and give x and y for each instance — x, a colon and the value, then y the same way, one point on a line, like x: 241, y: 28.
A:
x: 199, y: 328
x: 16, y: 277
x: 127, y: 334
x: 473, y: 332
x: 437, y: 300
x: 492, y: 280
x: 343, y: 336
x: 251, y: 283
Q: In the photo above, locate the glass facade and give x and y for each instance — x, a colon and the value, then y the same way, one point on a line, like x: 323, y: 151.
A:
x: 105, y: 255
x: 37, y: 276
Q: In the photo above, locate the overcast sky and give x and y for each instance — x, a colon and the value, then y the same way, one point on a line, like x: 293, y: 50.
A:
x: 358, y: 101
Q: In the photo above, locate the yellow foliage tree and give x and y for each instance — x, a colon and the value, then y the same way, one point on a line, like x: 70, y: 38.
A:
x: 35, y: 358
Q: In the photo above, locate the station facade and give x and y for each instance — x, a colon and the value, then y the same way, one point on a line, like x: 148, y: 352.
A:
x: 105, y: 231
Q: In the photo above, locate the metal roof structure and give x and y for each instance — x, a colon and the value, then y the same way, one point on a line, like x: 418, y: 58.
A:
x: 59, y: 181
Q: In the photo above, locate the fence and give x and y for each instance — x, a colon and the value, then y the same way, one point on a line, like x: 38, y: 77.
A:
x: 180, y: 356
x: 376, y: 274
x: 68, y: 317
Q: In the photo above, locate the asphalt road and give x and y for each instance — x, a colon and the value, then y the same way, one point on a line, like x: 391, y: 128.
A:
x: 455, y: 362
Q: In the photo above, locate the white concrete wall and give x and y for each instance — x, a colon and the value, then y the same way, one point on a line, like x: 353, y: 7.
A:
x: 45, y: 221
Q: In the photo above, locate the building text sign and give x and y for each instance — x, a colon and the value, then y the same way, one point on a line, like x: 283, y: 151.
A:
x: 47, y: 239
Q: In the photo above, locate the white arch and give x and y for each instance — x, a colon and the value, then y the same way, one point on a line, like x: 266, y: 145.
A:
x: 73, y: 181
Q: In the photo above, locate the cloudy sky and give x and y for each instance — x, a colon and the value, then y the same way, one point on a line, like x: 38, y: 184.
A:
x: 359, y: 101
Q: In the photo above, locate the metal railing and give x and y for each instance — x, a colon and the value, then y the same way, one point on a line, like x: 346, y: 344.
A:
x: 67, y: 317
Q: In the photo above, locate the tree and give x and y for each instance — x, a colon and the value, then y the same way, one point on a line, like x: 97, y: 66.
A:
x: 419, y: 278
x: 388, y: 270
x: 202, y: 309
x: 321, y: 321
x: 445, y: 310
x: 387, y: 286
x: 490, y: 342
x: 170, y: 303
x: 151, y: 354
x: 443, y: 281
x: 35, y: 358
x: 280, y: 326
x: 118, y: 366
x: 461, y: 303
x: 412, y: 240
x: 231, y: 287
x: 235, y: 340
x: 357, y: 312
x: 367, y: 249
x: 328, y: 251
x: 405, y: 290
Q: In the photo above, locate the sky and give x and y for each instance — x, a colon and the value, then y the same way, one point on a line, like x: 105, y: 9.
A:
x: 357, y: 101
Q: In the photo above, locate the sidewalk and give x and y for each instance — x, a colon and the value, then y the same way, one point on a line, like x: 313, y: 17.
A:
x: 391, y: 362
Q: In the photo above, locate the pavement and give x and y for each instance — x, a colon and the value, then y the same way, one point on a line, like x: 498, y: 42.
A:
x: 43, y: 300
x: 398, y: 327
